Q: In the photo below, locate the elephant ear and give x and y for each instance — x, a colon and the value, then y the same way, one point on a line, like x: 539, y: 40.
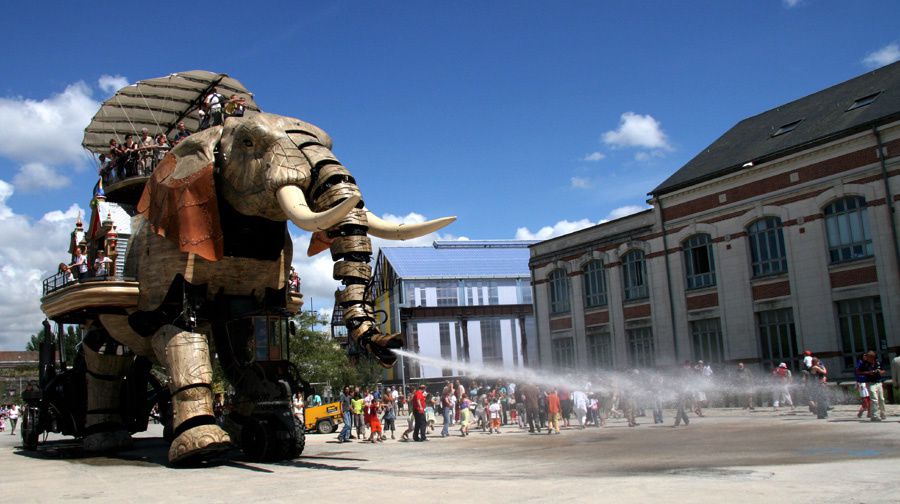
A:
x: 179, y: 201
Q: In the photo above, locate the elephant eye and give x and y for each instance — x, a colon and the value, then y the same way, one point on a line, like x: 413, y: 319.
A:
x: 248, y: 142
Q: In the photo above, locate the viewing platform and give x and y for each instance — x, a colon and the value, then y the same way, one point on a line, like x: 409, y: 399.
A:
x: 69, y: 301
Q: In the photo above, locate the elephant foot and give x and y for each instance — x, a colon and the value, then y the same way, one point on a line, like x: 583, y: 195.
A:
x: 100, y: 442
x: 199, y: 443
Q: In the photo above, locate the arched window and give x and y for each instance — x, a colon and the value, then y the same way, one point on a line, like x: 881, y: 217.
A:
x: 699, y: 265
x: 847, y: 226
x: 767, y: 255
x: 594, y: 284
x: 634, y: 274
x: 559, y: 291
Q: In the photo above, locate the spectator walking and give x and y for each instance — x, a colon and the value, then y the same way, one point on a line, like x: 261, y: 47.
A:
x: 465, y: 415
x: 531, y: 394
x: 358, y: 403
x: 447, y: 410
x: 390, y: 415
x: 781, y: 392
x: 553, y: 412
x: 418, y: 407
x: 744, y: 382
x: 580, y: 407
x: 819, y: 374
x: 871, y: 371
x: 494, y: 412
x: 347, y: 416
x: 13, y: 415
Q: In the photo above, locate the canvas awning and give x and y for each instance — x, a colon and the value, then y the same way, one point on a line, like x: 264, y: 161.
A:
x: 158, y: 105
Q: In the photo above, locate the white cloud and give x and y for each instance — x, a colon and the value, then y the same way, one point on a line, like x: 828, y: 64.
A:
x: 30, y: 251
x: 109, y: 84
x: 594, y: 156
x: 44, y: 134
x: 622, y: 211
x: 790, y: 4
x: 560, y: 228
x: 637, y: 130
x: 580, y: 183
x: 645, y: 156
x: 35, y: 176
x: 884, y: 56
x: 565, y: 227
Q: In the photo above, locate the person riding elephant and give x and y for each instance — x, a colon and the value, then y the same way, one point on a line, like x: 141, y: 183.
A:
x: 210, y: 245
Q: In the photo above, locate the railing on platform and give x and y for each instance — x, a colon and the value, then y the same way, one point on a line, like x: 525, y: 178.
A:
x: 136, y: 164
x: 58, y: 281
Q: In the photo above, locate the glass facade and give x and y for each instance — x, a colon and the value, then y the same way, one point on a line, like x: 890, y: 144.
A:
x: 563, y: 352
x: 634, y: 275
x: 767, y: 252
x: 491, y: 345
x: 699, y: 264
x: 599, y: 348
x: 641, y: 350
x: 706, y: 336
x: 777, y: 338
x: 862, y: 328
x: 559, y: 291
x: 847, y: 227
x: 594, y: 279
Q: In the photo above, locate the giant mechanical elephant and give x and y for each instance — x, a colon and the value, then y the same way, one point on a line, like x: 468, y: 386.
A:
x: 210, y: 248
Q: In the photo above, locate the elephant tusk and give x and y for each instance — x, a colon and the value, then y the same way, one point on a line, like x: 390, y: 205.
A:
x: 293, y: 202
x: 393, y: 231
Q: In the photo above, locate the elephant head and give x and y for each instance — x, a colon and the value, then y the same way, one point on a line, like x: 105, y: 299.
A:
x: 277, y: 168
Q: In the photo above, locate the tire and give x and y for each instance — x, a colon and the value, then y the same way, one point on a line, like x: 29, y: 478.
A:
x: 325, y: 426
x: 29, y: 429
x: 299, y: 441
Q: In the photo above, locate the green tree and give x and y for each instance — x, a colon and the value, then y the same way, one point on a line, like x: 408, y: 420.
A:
x: 70, y: 340
x: 322, y: 360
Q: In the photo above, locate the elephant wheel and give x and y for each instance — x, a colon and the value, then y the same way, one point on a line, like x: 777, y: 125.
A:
x: 325, y: 426
x: 255, y: 440
x: 29, y: 429
x: 299, y: 441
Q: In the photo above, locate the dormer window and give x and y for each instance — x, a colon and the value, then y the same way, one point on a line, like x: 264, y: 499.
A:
x: 787, y: 128
x: 865, y: 100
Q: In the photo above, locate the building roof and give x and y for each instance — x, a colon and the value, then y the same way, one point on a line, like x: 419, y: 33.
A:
x: 8, y: 358
x: 823, y: 116
x: 461, y: 259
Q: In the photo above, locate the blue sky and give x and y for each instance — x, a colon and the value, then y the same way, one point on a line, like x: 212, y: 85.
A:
x: 525, y: 119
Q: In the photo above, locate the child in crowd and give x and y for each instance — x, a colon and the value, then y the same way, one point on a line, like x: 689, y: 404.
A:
x: 465, y: 415
x: 429, y: 413
x: 371, y: 415
x: 494, y: 412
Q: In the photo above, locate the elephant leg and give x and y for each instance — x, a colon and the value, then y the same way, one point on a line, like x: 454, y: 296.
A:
x: 104, y: 430
x: 186, y: 355
x: 352, y: 250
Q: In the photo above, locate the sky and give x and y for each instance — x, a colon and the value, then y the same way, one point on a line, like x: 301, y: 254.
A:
x: 525, y: 119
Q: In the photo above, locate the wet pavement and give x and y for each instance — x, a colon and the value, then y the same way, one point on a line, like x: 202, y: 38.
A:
x: 729, y: 455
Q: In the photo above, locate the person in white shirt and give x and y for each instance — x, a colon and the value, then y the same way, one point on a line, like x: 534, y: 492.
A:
x: 102, y: 264
x: 580, y: 406
x: 494, y: 413
x: 13, y: 418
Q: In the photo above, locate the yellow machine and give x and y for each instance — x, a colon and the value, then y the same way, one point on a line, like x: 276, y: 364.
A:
x: 324, y: 418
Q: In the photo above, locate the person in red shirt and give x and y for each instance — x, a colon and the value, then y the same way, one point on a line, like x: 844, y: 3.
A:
x: 553, y: 410
x: 418, y: 404
x: 370, y: 413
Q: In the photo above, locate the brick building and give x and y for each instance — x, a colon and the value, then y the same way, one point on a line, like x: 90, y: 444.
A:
x: 780, y: 236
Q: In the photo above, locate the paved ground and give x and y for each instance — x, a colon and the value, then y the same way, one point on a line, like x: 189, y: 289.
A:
x: 728, y: 456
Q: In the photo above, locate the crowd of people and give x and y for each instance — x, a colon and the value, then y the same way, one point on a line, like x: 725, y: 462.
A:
x: 133, y: 158
x: 83, y: 268
x: 372, y: 413
x: 139, y: 157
